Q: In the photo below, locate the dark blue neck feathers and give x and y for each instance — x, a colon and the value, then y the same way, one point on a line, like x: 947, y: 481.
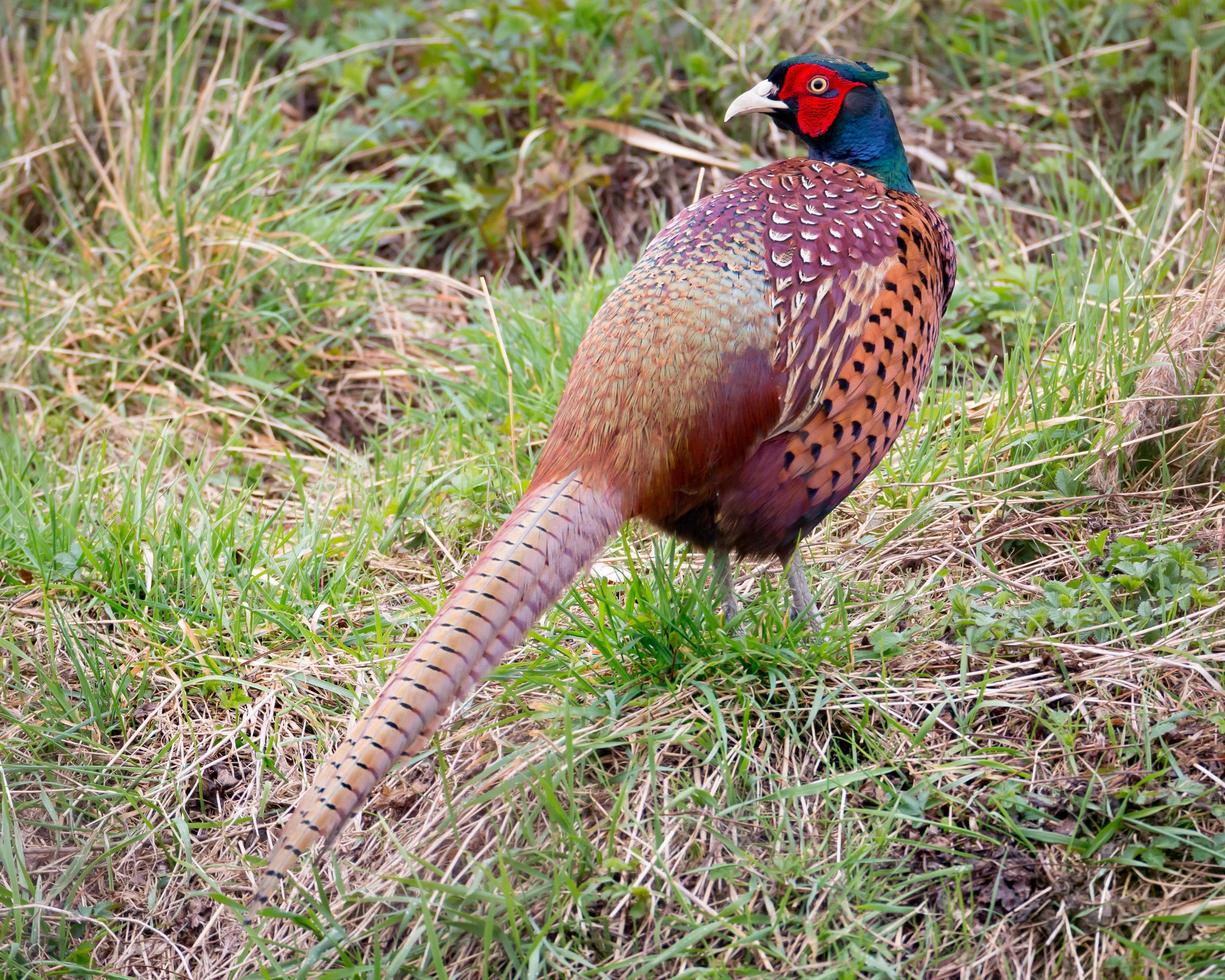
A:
x: 865, y: 135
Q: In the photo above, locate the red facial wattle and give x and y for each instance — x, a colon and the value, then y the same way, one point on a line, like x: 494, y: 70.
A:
x: 815, y: 113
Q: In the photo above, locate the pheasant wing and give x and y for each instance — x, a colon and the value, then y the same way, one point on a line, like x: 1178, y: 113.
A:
x: 831, y: 237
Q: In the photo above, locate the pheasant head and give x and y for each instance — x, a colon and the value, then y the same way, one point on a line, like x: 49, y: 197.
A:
x: 834, y: 106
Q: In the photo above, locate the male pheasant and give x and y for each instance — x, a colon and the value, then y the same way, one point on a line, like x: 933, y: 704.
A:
x: 747, y: 374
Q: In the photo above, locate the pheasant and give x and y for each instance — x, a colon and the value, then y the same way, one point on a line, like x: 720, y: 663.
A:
x: 746, y: 375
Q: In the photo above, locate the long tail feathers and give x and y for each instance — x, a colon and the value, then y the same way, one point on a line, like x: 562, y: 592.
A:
x: 551, y: 536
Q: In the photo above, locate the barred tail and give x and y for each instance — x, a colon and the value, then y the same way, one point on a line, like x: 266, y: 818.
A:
x: 551, y: 536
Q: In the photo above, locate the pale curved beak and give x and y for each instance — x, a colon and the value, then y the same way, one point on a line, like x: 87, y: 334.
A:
x: 760, y: 98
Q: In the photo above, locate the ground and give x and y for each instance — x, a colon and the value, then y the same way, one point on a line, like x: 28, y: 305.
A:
x: 290, y: 293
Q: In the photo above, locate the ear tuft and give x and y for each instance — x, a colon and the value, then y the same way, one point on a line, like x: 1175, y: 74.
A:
x: 870, y: 74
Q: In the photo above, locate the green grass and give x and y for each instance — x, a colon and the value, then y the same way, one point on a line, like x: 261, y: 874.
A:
x: 259, y: 413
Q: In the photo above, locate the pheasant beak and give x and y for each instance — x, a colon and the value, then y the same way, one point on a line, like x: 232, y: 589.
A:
x: 760, y: 98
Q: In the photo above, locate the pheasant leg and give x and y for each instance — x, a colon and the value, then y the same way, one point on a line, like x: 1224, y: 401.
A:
x: 725, y: 585
x: 803, y: 607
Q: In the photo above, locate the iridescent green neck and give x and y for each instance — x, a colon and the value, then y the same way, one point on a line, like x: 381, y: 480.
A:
x: 865, y: 136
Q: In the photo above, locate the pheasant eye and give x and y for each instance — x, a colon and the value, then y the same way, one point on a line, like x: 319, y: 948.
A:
x: 818, y: 84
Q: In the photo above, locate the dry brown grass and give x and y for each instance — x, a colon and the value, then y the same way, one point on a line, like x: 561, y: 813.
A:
x: 1184, y: 377
x: 455, y: 817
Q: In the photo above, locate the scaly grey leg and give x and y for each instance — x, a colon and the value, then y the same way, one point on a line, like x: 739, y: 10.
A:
x: 725, y: 585
x: 802, y: 605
